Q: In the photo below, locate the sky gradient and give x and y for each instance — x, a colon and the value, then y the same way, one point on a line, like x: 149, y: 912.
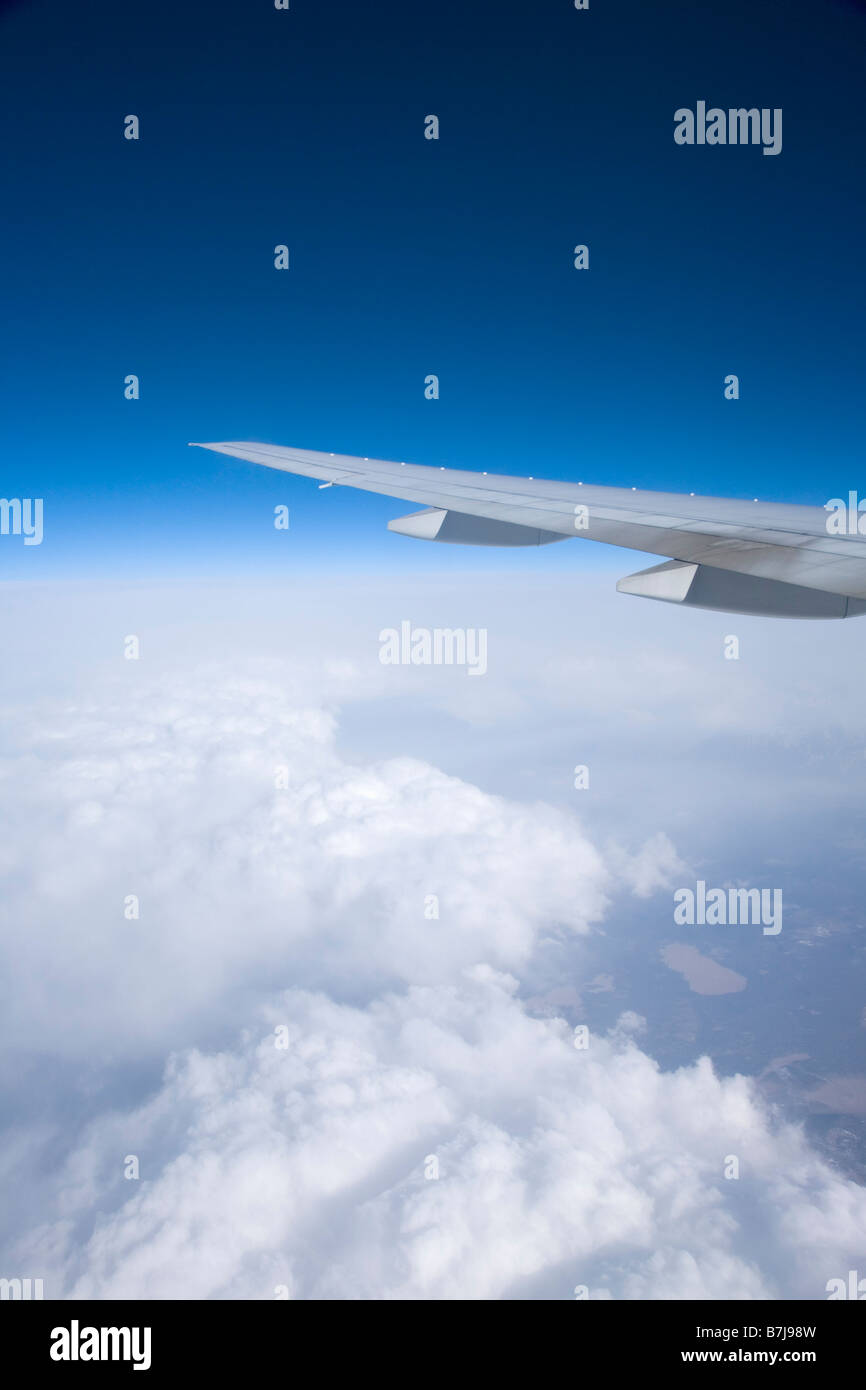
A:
x: 410, y: 257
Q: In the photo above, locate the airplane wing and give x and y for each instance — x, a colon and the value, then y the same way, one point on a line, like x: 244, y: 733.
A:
x: 766, y: 558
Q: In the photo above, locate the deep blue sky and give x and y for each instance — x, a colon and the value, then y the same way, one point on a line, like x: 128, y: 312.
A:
x: 410, y: 256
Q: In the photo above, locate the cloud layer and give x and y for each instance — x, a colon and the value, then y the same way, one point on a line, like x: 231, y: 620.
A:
x: 420, y: 1134
x: 442, y: 1144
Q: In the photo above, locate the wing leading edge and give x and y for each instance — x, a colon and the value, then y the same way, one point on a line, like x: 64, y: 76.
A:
x: 775, y: 559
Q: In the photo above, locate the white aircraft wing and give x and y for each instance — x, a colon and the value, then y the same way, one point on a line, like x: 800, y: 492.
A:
x: 738, y: 556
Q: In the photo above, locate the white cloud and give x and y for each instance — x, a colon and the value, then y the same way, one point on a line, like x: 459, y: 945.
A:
x: 557, y: 1167
x: 171, y: 795
x: 304, y: 905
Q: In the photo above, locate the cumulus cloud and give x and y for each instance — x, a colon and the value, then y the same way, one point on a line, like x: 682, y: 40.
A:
x: 442, y: 1144
x: 178, y: 846
x: 422, y: 1135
